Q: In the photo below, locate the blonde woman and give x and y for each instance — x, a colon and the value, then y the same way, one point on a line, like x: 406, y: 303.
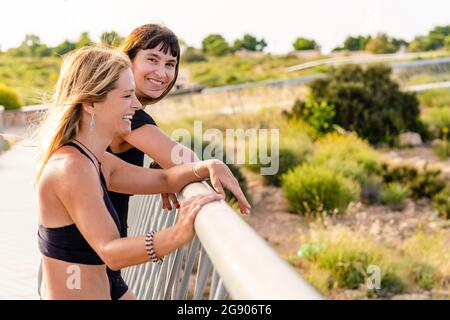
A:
x: 78, y: 226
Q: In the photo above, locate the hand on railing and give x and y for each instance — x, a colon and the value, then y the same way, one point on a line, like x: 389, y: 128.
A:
x: 222, y: 177
x: 184, y: 227
x: 169, y: 200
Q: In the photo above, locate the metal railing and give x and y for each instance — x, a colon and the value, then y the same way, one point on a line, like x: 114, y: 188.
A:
x: 227, y: 259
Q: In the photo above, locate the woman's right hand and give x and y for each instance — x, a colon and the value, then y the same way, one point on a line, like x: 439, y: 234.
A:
x: 222, y: 177
x: 187, y: 213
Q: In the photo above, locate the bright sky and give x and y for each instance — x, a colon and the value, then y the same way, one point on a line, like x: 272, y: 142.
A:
x: 279, y: 22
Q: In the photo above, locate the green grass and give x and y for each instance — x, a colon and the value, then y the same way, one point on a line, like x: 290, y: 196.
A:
x: 343, y: 257
x: 232, y: 69
x: 442, y: 149
x: 435, y: 98
x: 394, y: 195
x: 438, y: 120
x: 32, y: 78
x: 334, y: 257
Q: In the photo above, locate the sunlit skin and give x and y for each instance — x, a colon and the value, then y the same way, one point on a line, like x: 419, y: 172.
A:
x: 69, y: 192
x: 110, y: 121
x: 154, y: 71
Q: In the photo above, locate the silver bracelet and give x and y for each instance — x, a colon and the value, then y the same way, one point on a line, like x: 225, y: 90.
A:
x: 149, y: 247
x: 197, y: 175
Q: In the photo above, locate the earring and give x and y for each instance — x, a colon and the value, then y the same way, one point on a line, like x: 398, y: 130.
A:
x: 92, y: 123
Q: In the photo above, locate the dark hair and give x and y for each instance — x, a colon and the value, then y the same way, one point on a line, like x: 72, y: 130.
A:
x: 149, y: 36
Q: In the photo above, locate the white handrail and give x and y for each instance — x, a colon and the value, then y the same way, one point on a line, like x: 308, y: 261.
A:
x: 249, y: 267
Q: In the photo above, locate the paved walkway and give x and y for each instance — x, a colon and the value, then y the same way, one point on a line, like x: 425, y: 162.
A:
x: 19, y: 256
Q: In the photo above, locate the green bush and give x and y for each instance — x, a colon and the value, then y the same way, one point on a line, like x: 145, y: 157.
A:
x: 369, y: 102
x: 427, y: 184
x: 315, y: 189
x: 249, y: 43
x: 347, y: 154
x: 422, y: 184
x: 394, y: 195
x: 191, y: 55
x: 5, y: 145
x: 297, y: 134
x: 287, y: 160
x: 348, y: 269
x: 438, y: 120
x: 441, y: 202
x: 319, y: 115
x: 347, y: 255
x: 442, y: 149
x: 295, y: 147
x: 398, y: 173
x: 435, y: 98
x: 382, y: 43
x: 305, y: 44
x: 391, y: 283
x: 424, y: 275
x: 8, y: 98
x: 215, y: 45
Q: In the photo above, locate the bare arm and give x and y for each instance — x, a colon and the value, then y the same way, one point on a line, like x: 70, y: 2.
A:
x: 89, y: 213
x: 131, y: 179
x: 156, y: 144
x: 127, y: 178
x: 164, y: 150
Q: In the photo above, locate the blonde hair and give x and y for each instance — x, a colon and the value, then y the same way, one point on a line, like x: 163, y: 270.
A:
x: 87, y: 75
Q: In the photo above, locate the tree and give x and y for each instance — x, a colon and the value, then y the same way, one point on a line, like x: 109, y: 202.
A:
x: 435, y: 39
x: 381, y: 44
x: 447, y: 43
x: 84, y: 40
x: 441, y: 30
x: 250, y: 43
x: 356, y: 43
x: 190, y: 54
x: 31, y: 46
x: 63, y: 48
x: 369, y: 102
x: 43, y: 51
x: 399, y: 43
x: 428, y: 43
x: 215, y: 45
x: 305, y: 44
x: 418, y: 44
x: 111, y: 38
x: 32, y: 42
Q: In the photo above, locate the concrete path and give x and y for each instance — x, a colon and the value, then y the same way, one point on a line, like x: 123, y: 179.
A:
x: 19, y: 255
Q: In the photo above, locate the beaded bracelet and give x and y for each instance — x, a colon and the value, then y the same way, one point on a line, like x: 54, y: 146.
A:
x: 149, y: 247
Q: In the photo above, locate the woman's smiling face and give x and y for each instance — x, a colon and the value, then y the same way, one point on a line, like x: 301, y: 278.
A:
x: 115, y: 112
x: 154, y: 71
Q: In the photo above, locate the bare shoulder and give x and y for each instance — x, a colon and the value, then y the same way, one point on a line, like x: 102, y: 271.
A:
x: 68, y: 166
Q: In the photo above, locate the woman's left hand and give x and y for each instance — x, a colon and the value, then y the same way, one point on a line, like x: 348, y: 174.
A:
x: 169, y: 201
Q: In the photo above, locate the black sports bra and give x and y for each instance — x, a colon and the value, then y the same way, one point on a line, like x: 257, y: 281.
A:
x: 67, y: 243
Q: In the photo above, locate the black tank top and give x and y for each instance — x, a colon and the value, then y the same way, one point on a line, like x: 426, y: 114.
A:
x: 133, y: 156
x: 67, y: 243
